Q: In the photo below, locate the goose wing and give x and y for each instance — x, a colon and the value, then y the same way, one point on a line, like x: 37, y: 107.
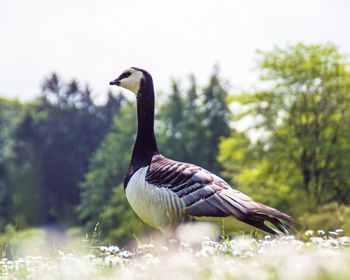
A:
x: 205, y: 194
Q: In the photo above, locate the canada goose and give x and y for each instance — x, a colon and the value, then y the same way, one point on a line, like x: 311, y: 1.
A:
x: 164, y: 192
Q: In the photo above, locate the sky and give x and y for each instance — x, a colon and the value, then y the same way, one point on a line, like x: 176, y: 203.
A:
x: 94, y: 41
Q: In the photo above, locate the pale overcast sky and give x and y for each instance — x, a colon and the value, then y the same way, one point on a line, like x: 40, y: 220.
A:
x: 93, y: 41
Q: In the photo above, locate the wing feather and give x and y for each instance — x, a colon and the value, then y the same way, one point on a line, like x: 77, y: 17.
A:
x: 205, y: 194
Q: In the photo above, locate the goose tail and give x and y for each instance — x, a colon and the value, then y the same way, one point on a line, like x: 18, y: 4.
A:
x: 270, y: 220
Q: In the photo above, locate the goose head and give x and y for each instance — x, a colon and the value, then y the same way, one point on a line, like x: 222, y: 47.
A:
x: 131, y: 79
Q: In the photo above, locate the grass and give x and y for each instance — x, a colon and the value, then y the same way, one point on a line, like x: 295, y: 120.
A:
x: 319, y: 255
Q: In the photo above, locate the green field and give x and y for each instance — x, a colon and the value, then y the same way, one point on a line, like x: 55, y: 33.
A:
x: 317, y: 255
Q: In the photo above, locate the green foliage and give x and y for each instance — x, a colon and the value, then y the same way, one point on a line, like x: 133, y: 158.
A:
x: 193, y: 133
x: 254, y: 175
x: 173, y: 119
x: 107, y: 170
x: 103, y: 198
x: 301, y: 155
x: 193, y: 121
x: 26, y: 205
x: 215, y: 121
x: 10, y: 112
x: 328, y: 217
x: 102, y: 193
x: 53, y: 143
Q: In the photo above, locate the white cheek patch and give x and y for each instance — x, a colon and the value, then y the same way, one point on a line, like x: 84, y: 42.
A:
x: 132, y: 82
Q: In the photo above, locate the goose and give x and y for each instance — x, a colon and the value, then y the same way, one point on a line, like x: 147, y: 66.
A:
x: 165, y: 193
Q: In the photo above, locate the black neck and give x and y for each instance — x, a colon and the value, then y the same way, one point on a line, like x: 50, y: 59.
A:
x: 145, y: 146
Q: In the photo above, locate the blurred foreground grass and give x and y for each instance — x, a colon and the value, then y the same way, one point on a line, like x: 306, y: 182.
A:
x: 317, y: 255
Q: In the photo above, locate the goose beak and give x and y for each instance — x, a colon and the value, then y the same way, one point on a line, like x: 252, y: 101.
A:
x: 116, y: 82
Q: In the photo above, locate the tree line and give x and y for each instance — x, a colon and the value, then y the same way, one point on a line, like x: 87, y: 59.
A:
x: 63, y: 158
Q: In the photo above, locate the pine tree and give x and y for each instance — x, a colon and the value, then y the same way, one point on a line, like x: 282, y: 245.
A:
x: 54, y: 141
x: 215, y: 120
x: 172, y: 117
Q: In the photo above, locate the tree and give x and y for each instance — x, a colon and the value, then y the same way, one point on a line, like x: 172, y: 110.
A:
x: 10, y: 111
x: 54, y: 142
x: 193, y: 132
x: 304, y: 115
x: 102, y: 192
x: 193, y: 121
x: 215, y: 121
x: 172, y: 118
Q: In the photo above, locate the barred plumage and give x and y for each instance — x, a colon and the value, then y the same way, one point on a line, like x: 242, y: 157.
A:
x: 205, y: 194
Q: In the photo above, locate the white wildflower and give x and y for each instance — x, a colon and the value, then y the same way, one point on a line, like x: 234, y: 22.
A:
x: 125, y: 254
x: 113, y: 249
x: 164, y: 249
x: 103, y: 249
x: 113, y: 260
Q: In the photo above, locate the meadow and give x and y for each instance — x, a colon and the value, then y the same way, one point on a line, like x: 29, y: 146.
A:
x: 316, y: 255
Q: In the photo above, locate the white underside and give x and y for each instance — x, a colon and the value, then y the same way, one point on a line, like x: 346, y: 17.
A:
x: 158, y: 207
